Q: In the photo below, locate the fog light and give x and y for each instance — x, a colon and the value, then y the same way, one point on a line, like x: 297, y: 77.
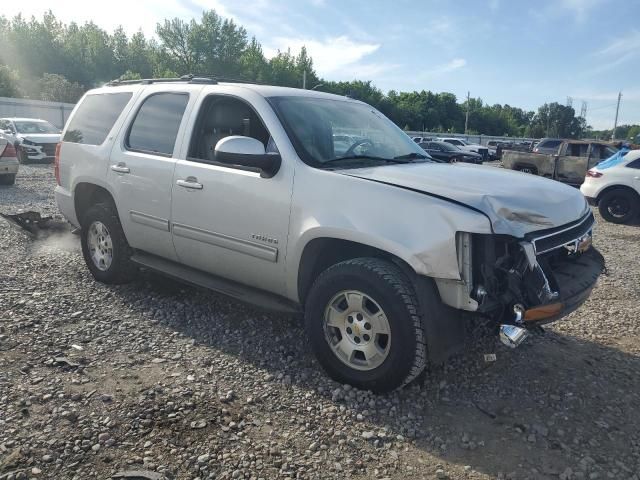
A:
x: 512, y: 336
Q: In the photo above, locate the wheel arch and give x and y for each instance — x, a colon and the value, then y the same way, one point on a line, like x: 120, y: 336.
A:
x: 618, y: 186
x: 322, y: 252
x: 86, y: 194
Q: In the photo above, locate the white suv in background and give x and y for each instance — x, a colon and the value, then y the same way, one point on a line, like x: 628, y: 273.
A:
x: 241, y: 189
x: 34, y: 139
x: 615, y: 190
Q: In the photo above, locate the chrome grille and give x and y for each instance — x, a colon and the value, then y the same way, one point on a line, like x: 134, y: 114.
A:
x: 546, y: 242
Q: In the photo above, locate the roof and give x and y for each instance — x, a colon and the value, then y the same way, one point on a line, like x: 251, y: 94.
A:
x: 263, y: 90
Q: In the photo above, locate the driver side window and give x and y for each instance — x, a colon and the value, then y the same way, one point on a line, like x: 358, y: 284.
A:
x: 222, y: 116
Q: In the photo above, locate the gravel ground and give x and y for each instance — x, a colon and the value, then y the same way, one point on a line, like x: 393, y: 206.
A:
x: 175, y: 382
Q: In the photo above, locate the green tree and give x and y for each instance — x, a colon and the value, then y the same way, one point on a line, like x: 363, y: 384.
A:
x: 56, y: 88
x: 9, y: 82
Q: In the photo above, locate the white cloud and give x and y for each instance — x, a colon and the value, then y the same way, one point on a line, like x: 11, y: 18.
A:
x: 618, y: 51
x: 454, y: 64
x: 331, y: 56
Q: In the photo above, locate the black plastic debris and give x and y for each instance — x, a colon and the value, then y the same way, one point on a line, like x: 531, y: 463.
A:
x: 34, y: 223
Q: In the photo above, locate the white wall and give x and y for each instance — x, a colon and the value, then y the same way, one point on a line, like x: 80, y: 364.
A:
x: 54, y: 112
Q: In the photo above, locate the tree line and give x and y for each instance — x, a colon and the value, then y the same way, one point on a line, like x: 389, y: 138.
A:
x: 49, y: 60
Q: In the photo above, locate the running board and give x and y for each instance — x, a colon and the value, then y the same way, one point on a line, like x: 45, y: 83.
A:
x: 199, y: 278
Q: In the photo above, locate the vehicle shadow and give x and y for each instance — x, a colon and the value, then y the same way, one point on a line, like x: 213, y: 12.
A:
x: 556, y: 402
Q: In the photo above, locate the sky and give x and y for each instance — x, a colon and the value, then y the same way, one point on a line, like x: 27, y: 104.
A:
x: 517, y: 52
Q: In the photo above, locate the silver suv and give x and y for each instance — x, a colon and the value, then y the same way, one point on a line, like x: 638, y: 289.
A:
x: 241, y: 189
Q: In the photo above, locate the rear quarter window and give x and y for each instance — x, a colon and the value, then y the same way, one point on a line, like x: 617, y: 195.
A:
x: 95, y: 118
x: 634, y: 164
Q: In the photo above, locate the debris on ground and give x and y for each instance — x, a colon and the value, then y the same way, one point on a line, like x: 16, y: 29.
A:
x: 34, y: 223
x: 182, y: 383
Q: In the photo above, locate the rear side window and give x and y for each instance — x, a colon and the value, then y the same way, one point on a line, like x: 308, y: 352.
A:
x: 155, y: 128
x: 634, y: 164
x: 95, y: 117
x: 549, y: 144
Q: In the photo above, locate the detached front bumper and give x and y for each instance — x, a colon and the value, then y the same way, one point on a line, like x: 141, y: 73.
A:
x: 574, y: 280
x: 38, y: 152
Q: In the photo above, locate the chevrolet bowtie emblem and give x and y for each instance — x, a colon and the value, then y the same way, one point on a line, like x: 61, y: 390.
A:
x: 581, y: 244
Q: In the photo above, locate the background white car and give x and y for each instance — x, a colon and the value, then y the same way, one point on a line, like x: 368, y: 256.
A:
x: 615, y: 190
x: 34, y: 139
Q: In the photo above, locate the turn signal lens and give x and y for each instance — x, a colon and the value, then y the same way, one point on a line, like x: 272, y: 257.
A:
x: 540, y: 313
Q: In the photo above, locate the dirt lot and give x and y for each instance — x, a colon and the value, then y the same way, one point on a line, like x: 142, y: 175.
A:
x: 177, y: 382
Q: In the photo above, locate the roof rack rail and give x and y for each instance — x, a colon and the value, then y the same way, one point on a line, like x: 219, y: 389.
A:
x: 149, y: 81
x: 204, y: 78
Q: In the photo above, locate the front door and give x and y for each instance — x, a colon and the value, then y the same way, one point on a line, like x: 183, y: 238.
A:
x: 225, y: 220
x: 141, y: 171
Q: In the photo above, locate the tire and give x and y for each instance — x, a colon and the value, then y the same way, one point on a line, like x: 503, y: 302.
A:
x: 401, y: 356
x: 453, y: 160
x: 619, y: 205
x: 102, y: 232
x: 21, y: 156
x: 529, y: 170
x: 8, y: 179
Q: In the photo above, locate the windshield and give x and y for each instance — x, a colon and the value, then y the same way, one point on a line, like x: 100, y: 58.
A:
x: 35, y: 127
x: 325, y: 130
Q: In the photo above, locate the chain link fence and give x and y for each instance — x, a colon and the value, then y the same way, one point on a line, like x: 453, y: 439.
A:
x: 479, y: 139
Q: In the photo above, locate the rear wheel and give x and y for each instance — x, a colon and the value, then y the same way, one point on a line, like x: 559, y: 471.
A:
x: 525, y: 169
x: 364, y: 325
x: 619, y: 206
x: 104, y: 246
x: 8, y: 179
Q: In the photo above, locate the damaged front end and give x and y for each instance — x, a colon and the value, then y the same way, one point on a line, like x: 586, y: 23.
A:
x: 528, y: 282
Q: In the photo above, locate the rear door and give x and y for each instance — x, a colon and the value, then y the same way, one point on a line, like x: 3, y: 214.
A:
x: 571, y: 166
x: 142, y: 163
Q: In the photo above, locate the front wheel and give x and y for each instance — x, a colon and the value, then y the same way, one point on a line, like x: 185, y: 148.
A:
x: 364, y: 325
x: 104, y: 246
x: 619, y: 206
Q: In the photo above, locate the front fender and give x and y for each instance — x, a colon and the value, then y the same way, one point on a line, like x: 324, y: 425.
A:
x: 417, y: 228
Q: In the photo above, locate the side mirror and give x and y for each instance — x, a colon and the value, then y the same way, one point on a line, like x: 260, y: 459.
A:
x: 247, y: 152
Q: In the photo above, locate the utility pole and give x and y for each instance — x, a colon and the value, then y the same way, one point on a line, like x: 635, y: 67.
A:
x: 304, y: 79
x: 466, y: 119
x: 548, y: 118
x: 615, y: 122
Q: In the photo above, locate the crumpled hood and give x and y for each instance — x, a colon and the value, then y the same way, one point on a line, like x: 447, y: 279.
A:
x: 40, y: 138
x: 516, y: 203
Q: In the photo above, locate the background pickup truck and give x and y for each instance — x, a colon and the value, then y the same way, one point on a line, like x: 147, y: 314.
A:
x: 569, y: 164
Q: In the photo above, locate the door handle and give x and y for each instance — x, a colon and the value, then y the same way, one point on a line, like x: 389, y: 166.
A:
x: 120, y: 168
x: 190, y: 182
